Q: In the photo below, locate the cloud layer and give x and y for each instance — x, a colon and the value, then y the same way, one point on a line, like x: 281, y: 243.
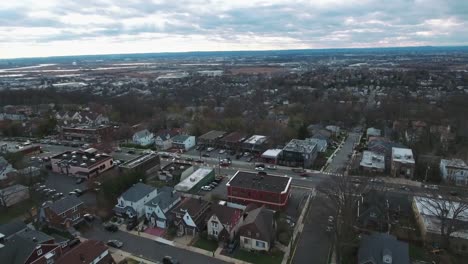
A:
x: 56, y: 27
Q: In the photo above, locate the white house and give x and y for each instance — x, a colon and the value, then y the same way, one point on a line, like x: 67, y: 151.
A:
x: 163, y: 139
x: 143, y: 138
x: 454, y: 170
x: 5, y: 168
x: 258, y: 230
x: 184, y: 142
x: 157, y: 209
x: 224, y: 222
x: 132, y: 202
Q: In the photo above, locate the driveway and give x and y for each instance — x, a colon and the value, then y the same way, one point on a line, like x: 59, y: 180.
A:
x: 314, y: 242
x: 340, y: 161
x: 148, y: 248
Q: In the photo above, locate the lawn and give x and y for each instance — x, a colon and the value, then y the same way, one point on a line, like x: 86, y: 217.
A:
x: 6, y: 215
x: 210, y: 245
x: 274, y: 257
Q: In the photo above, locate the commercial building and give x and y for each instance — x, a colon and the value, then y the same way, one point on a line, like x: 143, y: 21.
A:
x: 149, y: 163
x: 211, y: 138
x: 196, y: 180
x: 86, y: 133
x: 233, y: 141
x: 83, y: 164
x: 454, y: 170
x: 403, y: 164
x: 261, y: 189
x: 14, y: 194
x: 256, y: 143
x: 299, y: 153
x: 183, y: 142
x: 372, y: 162
x: 271, y: 156
x: 176, y: 171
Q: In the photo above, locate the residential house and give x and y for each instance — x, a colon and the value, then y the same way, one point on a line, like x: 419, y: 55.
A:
x: 183, y: 142
x: 224, y: 222
x: 163, y: 139
x: 143, y: 138
x: 29, y: 247
x: 335, y: 130
x: 373, y: 132
x: 156, y: 210
x: 5, y: 168
x: 427, y: 212
x: 14, y: 194
x: 321, y: 143
x: 454, y: 170
x: 402, y: 164
x: 381, y: 248
x: 10, y: 229
x: 189, y: 216
x: 87, y: 252
x: 372, y: 162
x: 63, y: 214
x: 132, y: 202
x: 257, y: 231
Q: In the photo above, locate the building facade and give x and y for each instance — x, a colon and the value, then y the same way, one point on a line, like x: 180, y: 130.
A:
x: 402, y: 163
x: 82, y: 164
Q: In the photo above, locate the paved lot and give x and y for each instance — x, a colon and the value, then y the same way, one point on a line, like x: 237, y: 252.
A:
x: 314, y: 242
x: 66, y: 184
x: 147, y: 248
x: 340, y: 161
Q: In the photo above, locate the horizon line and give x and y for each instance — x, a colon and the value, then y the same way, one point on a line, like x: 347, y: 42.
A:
x: 231, y: 51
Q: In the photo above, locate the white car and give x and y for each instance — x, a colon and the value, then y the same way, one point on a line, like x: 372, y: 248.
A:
x: 222, y: 151
x: 206, y: 188
x: 271, y: 167
x: 209, y: 149
x: 259, y: 168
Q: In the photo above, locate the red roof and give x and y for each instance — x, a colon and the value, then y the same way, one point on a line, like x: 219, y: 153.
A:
x: 86, y: 252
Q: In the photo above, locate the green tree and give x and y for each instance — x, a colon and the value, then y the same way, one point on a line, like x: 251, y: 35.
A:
x: 302, y: 132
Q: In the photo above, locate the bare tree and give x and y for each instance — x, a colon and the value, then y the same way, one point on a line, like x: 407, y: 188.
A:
x: 344, y: 194
x: 449, y: 213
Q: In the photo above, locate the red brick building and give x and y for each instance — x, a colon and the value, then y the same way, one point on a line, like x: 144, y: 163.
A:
x: 262, y: 189
x: 64, y: 213
x: 85, y: 133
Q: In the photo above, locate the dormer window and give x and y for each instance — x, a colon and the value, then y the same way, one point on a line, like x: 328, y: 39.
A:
x: 39, y: 252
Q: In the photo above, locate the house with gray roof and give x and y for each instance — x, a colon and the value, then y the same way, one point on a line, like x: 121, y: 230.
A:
x: 132, y: 202
x: 257, y: 231
x: 11, y: 228
x: 321, y: 143
x: 299, y: 153
x: 143, y: 138
x: 62, y: 214
x: 157, y: 209
x: 381, y: 248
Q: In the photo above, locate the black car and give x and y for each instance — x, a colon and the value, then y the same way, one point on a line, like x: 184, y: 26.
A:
x: 170, y: 260
x: 131, y: 152
x: 199, y: 161
x: 131, y: 225
x: 206, y: 155
x: 188, y: 159
x: 74, y: 242
x: 111, y: 227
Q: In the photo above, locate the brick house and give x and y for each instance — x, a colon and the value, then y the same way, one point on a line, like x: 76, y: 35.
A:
x: 223, y: 222
x: 189, y: 216
x: 62, y: 214
x: 87, y: 252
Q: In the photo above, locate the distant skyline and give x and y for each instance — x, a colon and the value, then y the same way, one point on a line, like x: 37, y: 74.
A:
x: 32, y: 28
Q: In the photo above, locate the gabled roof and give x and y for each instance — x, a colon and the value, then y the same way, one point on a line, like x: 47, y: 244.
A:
x: 166, y: 133
x: 84, y: 253
x: 142, y: 133
x: 65, y: 204
x: 34, y: 235
x: 12, y: 227
x: 374, y: 247
x: 166, y: 196
x: 260, y: 219
x: 192, y: 206
x: 137, y: 192
x: 17, y: 250
x: 226, y: 215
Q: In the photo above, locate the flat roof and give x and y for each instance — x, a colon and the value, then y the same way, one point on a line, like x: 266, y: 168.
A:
x: 235, y: 137
x: 212, y: 135
x: 79, y: 158
x: 85, y: 126
x: 138, y: 160
x: 302, y: 146
x: 372, y: 160
x: 264, y: 182
x: 192, y: 180
x: 256, y: 140
x: 271, y: 153
x: 403, y: 155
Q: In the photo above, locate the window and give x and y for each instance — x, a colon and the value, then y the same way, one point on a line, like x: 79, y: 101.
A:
x: 75, y: 208
x: 214, y: 224
x: 39, y: 252
x: 246, y: 240
x: 260, y: 244
x: 76, y: 217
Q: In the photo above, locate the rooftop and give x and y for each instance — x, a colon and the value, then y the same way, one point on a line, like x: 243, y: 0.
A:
x: 176, y: 168
x: 137, y: 192
x: 235, y: 137
x: 13, y: 189
x: 80, y: 158
x: 138, y: 160
x: 86, y: 126
x: 272, y: 153
x: 256, y: 140
x: 380, y: 248
x: 191, y: 205
x: 372, y: 160
x: 254, y: 181
x: 456, y: 163
x: 302, y: 146
x: 180, y: 138
x: 373, y: 132
x: 212, y: 135
x: 402, y: 155
x: 192, y: 180
x: 166, y: 196
x: 64, y: 204
x: 85, y: 252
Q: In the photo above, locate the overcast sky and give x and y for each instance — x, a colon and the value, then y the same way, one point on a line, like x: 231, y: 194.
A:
x: 30, y: 28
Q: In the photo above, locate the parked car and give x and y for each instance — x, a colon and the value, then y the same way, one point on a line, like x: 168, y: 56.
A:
x: 88, y: 217
x: 79, y: 192
x: 115, y: 243
x: 170, y: 260
x: 453, y: 193
x: 209, y: 149
x: 199, y: 161
x: 232, y: 246
x: 298, y: 170
x: 110, y: 227
x: 206, y: 155
x: 79, y: 180
x: 131, y: 152
x: 249, y: 159
x: 188, y: 159
x: 131, y: 225
x: 259, y: 168
x: 222, y: 151
x: 271, y: 167
x: 206, y: 188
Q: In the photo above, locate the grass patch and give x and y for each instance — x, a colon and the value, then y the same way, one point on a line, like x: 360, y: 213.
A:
x: 273, y: 257
x: 203, y: 243
x: 17, y: 210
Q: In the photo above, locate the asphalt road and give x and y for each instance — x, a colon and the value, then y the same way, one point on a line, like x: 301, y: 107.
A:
x: 148, y: 248
x: 340, y: 161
